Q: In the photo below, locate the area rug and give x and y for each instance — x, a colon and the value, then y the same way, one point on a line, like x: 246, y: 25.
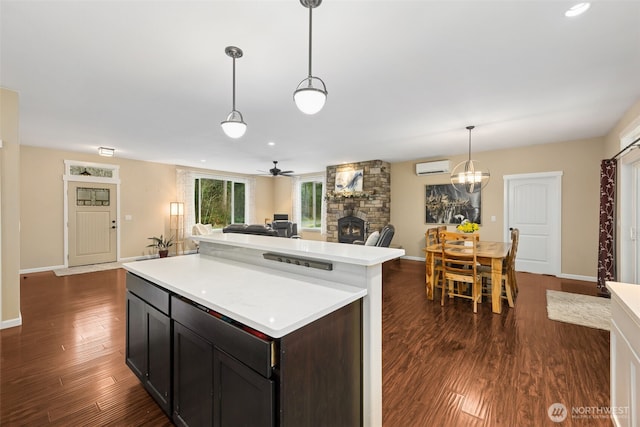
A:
x: 585, y: 310
x: 87, y: 268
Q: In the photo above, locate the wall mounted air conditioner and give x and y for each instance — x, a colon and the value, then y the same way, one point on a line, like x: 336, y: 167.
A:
x: 431, y: 168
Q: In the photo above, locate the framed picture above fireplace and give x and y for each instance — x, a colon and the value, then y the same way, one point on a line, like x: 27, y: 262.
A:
x: 349, y: 181
x: 445, y: 205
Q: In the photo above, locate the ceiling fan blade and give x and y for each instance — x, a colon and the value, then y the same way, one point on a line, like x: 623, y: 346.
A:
x: 287, y: 172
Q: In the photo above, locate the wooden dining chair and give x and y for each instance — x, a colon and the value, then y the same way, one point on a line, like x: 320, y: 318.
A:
x: 440, y: 229
x: 431, y: 239
x: 460, y: 266
x: 508, y: 279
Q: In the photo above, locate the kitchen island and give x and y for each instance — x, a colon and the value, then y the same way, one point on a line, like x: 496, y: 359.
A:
x: 283, y: 295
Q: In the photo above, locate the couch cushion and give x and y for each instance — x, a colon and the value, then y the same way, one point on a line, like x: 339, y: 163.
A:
x: 372, y: 239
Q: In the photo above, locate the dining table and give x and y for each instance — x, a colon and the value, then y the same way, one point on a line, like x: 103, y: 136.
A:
x: 488, y: 253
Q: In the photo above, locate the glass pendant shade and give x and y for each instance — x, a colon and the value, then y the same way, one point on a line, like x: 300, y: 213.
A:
x: 469, y: 176
x: 310, y: 99
x: 234, y: 126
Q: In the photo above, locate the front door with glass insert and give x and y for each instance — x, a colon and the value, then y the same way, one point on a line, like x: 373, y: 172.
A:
x: 92, y: 223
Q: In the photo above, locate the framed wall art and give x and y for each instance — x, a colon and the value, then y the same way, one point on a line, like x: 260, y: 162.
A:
x: 445, y: 205
x: 349, y: 181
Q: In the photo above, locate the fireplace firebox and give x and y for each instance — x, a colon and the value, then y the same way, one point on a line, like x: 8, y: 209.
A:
x: 351, y: 228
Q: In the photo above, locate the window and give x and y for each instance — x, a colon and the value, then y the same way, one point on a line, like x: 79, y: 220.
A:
x: 219, y: 202
x: 311, y: 204
x: 92, y: 196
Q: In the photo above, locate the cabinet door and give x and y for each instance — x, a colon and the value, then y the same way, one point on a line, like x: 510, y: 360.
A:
x: 158, y: 375
x: 192, y: 378
x: 242, y: 397
x: 136, y: 346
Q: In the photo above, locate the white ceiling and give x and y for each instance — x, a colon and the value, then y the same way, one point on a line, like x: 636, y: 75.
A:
x: 151, y: 79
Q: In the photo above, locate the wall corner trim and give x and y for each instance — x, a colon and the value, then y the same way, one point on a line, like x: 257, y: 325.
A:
x: 11, y: 323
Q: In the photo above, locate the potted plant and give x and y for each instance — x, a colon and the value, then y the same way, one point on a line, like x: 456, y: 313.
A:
x: 161, y: 244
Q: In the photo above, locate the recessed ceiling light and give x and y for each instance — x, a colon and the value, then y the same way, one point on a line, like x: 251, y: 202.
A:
x: 203, y: 160
x: 271, y: 143
x: 577, y: 9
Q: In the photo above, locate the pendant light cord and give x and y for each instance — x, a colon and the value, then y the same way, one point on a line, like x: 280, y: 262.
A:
x: 234, y: 84
x: 470, y: 129
x: 310, y: 32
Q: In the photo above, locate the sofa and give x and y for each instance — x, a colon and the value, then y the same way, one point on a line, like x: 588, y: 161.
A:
x: 258, y: 229
x: 277, y: 228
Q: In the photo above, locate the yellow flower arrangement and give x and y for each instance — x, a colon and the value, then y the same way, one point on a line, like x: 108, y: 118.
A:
x: 468, y: 227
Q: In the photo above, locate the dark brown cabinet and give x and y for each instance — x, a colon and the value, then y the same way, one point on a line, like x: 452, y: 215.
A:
x: 243, y: 397
x: 192, y: 378
x: 213, y: 387
x: 219, y: 373
x: 148, y: 349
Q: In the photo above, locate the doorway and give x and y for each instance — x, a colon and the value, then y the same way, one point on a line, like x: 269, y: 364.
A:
x: 91, y: 213
x: 533, y: 204
x: 92, y: 223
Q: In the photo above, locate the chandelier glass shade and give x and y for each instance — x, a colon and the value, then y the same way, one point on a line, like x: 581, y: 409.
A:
x: 234, y: 126
x: 310, y: 98
x: 469, y: 176
x: 311, y: 93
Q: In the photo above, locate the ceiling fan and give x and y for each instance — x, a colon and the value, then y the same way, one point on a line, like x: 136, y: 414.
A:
x: 274, y: 171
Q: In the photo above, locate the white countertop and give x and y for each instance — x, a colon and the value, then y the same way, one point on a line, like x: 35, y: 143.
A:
x: 629, y: 294
x: 271, y: 301
x: 337, y: 252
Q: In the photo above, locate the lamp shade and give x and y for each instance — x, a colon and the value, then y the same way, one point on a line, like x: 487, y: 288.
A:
x: 176, y: 208
x: 309, y: 98
x: 234, y: 126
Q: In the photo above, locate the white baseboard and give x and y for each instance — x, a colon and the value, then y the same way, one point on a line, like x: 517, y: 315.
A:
x: 578, y: 277
x: 11, y: 323
x: 137, y: 258
x: 40, y: 269
x: 128, y: 259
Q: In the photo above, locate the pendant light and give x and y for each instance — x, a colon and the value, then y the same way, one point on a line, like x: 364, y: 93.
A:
x: 468, y: 176
x: 311, y: 93
x: 234, y: 126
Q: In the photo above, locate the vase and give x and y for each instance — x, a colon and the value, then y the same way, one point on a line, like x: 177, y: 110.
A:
x: 163, y: 253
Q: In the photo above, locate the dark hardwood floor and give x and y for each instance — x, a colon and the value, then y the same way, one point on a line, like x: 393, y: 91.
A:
x: 445, y: 366
x: 442, y: 366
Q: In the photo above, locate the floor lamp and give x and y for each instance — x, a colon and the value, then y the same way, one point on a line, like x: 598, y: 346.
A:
x: 176, y: 211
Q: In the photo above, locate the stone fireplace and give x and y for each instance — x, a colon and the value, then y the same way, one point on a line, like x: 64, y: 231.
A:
x: 371, y: 207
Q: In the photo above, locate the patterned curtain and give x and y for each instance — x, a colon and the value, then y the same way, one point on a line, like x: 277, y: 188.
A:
x: 606, y: 246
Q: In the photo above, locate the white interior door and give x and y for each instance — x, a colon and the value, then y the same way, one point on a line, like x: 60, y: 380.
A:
x: 92, y: 223
x: 534, y: 206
